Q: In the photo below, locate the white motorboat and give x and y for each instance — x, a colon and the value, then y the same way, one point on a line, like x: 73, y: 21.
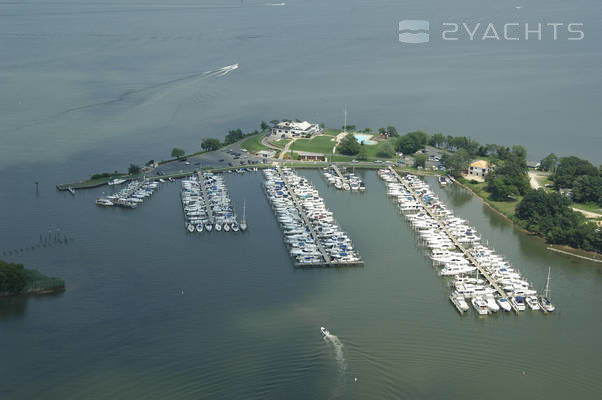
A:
x: 533, y: 303
x: 226, y: 227
x: 480, y: 305
x: 104, y: 202
x: 518, y: 302
x: 459, y: 302
x: 218, y: 227
x: 324, y: 331
x: 190, y: 228
x: 116, y: 181
x: 208, y: 227
x: 504, y: 304
x: 199, y: 228
x: 493, y: 306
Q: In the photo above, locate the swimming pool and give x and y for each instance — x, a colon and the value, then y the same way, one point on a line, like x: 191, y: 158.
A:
x: 364, y: 138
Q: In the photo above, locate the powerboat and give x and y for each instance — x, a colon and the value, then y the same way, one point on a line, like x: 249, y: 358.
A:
x: 533, y: 303
x: 324, y: 331
x: 480, y: 305
x: 504, y: 304
x: 104, y: 202
x: 116, y: 181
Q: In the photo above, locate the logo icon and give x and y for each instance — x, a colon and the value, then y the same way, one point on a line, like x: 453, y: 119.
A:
x: 413, y: 31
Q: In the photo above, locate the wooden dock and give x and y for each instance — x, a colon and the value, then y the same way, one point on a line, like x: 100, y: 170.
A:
x: 208, y: 207
x: 458, y: 245
x: 328, y: 261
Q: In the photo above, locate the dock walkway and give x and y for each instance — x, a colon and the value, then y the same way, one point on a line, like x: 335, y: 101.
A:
x: 325, y: 255
x: 469, y: 256
x: 208, y: 207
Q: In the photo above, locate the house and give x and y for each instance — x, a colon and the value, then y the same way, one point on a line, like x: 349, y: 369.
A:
x: 479, y: 168
x: 267, y: 153
x: 533, y: 164
x: 288, y: 129
x: 307, y: 156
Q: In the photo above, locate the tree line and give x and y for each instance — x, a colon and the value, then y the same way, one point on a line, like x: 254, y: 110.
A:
x: 581, y: 176
x: 549, y: 214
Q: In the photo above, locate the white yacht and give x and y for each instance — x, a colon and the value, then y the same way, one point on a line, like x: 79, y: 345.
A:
x: 324, y: 331
x: 480, y: 305
x: 533, y: 303
x: 116, y: 181
x: 104, y: 202
x: 459, y: 302
x: 504, y: 304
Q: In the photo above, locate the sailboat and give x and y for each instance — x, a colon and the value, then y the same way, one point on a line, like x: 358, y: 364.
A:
x: 243, y: 223
x: 544, y: 300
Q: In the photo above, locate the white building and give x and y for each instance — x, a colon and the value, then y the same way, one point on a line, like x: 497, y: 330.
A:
x: 288, y: 129
x: 479, y: 168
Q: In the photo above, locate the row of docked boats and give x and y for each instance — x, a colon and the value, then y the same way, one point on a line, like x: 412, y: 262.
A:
x: 310, y: 231
x: 342, y: 180
x: 455, y: 248
x: 207, y: 205
x: 133, y: 194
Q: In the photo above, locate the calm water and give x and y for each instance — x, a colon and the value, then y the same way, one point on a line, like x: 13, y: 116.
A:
x: 153, y: 312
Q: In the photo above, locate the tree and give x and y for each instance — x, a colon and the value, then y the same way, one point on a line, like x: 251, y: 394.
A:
x: 264, y: 126
x: 548, y: 163
x: 177, y: 153
x: 456, y: 163
x: 367, y: 130
x: 233, y: 136
x: 134, y: 169
x: 382, y: 131
x: 210, y: 144
x: 420, y: 160
x: 348, y: 127
x: 386, y: 150
x: 392, y: 131
x: 569, y: 168
x: 411, y: 142
x: 13, y: 277
x: 349, y: 145
x: 363, y: 153
x: 588, y: 189
x: 437, y: 140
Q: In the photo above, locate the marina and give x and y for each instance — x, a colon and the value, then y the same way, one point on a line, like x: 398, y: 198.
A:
x: 310, y: 232
x: 343, y: 180
x: 131, y: 196
x: 455, y: 246
x: 207, y: 205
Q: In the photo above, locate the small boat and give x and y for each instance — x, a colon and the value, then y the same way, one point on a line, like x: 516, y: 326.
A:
x: 544, y: 300
x: 243, y: 223
x: 324, y: 331
x: 116, y: 181
x: 504, y: 304
x: 235, y: 227
x: 199, y: 228
x: 459, y: 302
x: 104, y: 202
x: 190, y: 228
x: 480, y: 305
x: 518, y: 302
x: 218, y: 227
x: 226, y: 227
x: 532, y: 303
x: 208, y: 227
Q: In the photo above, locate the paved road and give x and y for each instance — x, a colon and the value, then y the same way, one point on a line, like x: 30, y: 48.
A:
x: 532, y: 178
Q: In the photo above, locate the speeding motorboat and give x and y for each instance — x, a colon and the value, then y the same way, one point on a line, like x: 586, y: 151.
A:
x: 325, y: 331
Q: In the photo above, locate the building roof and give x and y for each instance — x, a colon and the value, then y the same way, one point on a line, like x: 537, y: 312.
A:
x: 309, y: 154
x: 295, y: 125
x: 480, y: 164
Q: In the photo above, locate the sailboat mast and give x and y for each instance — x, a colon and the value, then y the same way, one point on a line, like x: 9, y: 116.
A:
x: 345, y: 123
x: 547, y: 289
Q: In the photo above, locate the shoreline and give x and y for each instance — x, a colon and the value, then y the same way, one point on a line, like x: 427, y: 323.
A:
x: 563, y: 249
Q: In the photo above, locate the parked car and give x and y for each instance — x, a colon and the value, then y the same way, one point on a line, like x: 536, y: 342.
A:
x: 354, y: 161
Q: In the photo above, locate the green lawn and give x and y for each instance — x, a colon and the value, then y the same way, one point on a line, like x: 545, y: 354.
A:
x: 591, y: 207
x: 253, y: 143
x: 281, y: 142
x: 332, y: 132
x: 505, y: 207
x: 318, y: 144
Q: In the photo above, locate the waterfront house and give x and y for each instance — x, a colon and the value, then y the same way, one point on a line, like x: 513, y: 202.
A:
x: 479, y: 168
x: 289, y: 129
x: 307, y: 156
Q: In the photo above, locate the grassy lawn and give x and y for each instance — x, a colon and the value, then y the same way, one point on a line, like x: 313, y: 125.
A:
x: 253, y: 143
x: 318, y: 144
x: 505, y: 207
x: 591, y: 207
x: 281, y: 142
x: 332, y: 132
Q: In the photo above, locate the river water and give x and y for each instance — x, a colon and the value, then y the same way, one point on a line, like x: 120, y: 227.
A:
x: 151, y: 311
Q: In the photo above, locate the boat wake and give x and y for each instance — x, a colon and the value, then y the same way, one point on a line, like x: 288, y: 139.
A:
x: 137, y: 97
x: 337, y: 348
